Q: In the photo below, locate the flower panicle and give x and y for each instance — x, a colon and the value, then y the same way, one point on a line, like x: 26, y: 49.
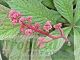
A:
x: 28, y: 28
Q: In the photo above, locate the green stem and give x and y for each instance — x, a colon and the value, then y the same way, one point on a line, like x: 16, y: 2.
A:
x: 25, y: 46
x: 30, y: 49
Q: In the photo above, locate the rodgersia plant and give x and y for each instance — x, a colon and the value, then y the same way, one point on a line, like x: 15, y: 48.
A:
x: 28, y: 28
x: 35, y: 29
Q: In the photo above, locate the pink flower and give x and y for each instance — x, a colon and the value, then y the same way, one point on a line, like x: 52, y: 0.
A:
x: 22, y: 28
x: 28, y: 32
x: 58, y: 26
x: 14, y: 21
x: 22, y: 19
x: 41, y: 41
x: 14, y: 14
x: 29, y: 19
x: 47, y: 26
x: 37, y: 25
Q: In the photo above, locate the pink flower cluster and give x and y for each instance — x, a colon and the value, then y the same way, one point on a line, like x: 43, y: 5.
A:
x: 16, y: 17
x: 47, y: 26
x: 28, y: 28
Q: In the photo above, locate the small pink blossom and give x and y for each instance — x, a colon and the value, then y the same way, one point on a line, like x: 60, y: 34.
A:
x: 41, y: 41
x: 22, y: 28
x: 28, y: 32
x: 47, y: 26
x: 29, y: 19
x: 22, y: 19
x: 14, y: 14
x: 37, y: 25
x: 14, y: 21
x: 58, y: 26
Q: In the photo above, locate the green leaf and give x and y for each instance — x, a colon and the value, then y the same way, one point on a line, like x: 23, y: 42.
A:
x: 0, y: 57
x: 55, y: 45
x: 16, y: 49
x: 18, y: 55
x: 76, y: 38
x: 48, y: 3
x: 7, y: 30
x: 36, y: 9
x: 4, y: 3
x: 77, y: 54
x: 76, y: 43
x: 65, y: 53
x: 77, y: 23
x: 77, y: 13
x: 65, y: 8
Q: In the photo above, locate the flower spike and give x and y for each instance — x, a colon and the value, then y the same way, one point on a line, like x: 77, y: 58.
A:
x: 29, y: 28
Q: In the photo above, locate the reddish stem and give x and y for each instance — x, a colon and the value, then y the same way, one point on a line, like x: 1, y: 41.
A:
x: 41, y: 31
x: 63, y: 36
